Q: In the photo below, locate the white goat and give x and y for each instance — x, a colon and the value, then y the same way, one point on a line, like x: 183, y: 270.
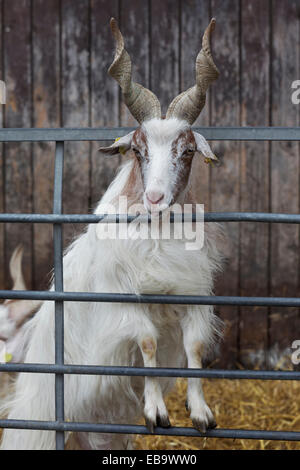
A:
x: 157, y: 175
x: 13, y: 320
x: 15, y: 313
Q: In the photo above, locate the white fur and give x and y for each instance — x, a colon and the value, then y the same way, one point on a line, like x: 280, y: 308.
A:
x: 7, y: 325
x: 114, y: 334
x: 160, y: 175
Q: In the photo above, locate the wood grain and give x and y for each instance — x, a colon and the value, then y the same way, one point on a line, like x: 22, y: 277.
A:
x: 194, y: 20
x: 46, y: 109
x: 2, y: 171
x: 18, y: 156
x: 55, y: 60
x: 75, y: 108
x: 284, y: 263
x: 254, y: 181
x: 104, y: 93
x: 134, y: 21
x: 224, y: 189
x: 135, y: 24
x: 164, y: 36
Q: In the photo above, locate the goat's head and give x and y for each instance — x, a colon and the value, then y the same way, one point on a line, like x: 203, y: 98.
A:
x: 164, y: 148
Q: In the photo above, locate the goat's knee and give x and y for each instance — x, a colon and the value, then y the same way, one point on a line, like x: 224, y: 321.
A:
x: 148, y: 348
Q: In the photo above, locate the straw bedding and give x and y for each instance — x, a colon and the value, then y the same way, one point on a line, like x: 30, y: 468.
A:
x: 243, y: 404
x: 239, y: 404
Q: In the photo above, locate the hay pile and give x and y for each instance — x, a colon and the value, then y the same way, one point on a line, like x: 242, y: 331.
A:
x: 239, y: 404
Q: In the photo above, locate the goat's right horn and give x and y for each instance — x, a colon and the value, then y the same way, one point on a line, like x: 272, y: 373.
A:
x: 142, y: 103
x: 189, y: 104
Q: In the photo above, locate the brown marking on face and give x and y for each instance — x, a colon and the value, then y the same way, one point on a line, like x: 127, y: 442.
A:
x: 149, y: 347
x: 132, y: 188
x: 198, y: 350
x: 185, y: 140
x: 139, y: 142
x: 182, y: 162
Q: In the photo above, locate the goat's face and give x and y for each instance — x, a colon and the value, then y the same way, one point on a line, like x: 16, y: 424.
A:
x: 164, y: 148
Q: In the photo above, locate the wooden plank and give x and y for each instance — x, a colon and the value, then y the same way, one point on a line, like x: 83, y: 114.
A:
x: 75, y: 106
x: 254, y: 173
x: 46, y: 107
x: 194, y: 20
x: 104, y: 93
x: 284, y: 323
x: 165, y: 35
x: 134, y: 21
x: 18, y: 156
x: 224, y: 188
x: 2, y: 171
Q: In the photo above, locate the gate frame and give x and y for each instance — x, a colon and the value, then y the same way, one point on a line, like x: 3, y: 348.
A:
x: 59, y: 136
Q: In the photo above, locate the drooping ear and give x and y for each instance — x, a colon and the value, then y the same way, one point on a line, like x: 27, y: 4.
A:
x: 120, y: 145
x: 203, y: 147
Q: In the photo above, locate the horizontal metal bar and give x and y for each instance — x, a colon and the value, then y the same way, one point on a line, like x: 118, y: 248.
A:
x: 151, y: 298
x: 123, y: 218
x: 101, y: 133
x: 151, y: 371
x: 137, y: 429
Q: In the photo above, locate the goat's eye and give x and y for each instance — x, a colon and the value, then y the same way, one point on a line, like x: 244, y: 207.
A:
x: 137, y: 153
x: 188, y: 153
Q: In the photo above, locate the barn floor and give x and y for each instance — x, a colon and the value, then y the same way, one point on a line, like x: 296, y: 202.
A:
x: 239, y: 404
x: 244, y: 404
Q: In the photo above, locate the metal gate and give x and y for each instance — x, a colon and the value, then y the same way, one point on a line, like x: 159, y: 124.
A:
x: 59, y: 296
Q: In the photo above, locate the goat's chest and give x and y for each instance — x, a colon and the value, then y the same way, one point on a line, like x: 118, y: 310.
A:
x: 163, y: 266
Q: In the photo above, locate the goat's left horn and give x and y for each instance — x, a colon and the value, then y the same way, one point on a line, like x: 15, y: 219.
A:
x: 142, y: 103
x: 189, y: 104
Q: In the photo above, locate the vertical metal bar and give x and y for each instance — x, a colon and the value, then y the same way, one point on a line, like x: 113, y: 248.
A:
x: 58, y: 286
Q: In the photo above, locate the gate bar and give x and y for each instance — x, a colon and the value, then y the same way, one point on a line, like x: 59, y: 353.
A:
x: 138, y: 429
x: 124, y: 218
x: 151, y: 298
x: 110, y: 133
x: 152, y: 371
x: 58, y: 286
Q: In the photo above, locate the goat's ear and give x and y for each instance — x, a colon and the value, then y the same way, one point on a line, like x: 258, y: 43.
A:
x: 119, y: 146
x: 203, y: 147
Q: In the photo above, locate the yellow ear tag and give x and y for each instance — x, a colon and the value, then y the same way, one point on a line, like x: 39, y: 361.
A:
x: 122, y: 150
x: 208, y: 161
x: 7, y: 357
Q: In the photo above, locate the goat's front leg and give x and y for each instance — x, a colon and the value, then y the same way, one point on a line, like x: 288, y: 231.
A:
x: 155, y: 410
x: 195, y: 328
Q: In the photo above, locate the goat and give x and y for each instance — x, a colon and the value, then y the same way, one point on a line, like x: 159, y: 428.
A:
x: 157, y: 175
x: 14, y: 315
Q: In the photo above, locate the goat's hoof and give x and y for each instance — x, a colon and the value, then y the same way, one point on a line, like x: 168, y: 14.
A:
x: 163, y: 421
x: 201, y: 416
x: 160, y: 420
x: 150, y: 424
x: 204, y: 425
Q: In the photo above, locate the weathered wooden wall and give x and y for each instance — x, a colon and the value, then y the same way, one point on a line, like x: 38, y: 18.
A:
x: 54, y: 56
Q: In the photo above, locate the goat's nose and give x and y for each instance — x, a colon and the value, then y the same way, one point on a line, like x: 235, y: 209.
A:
x: 154, y: 196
